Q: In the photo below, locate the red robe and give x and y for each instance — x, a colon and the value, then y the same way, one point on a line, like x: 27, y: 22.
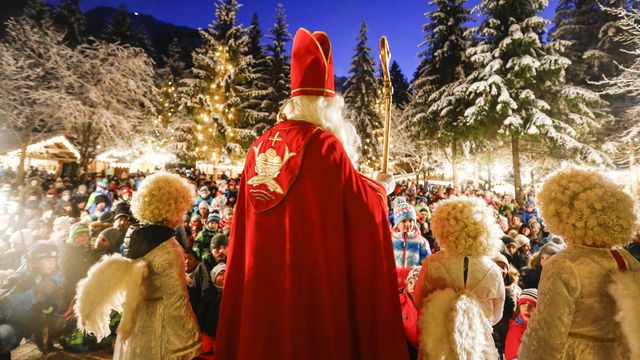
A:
x: 311, y: 273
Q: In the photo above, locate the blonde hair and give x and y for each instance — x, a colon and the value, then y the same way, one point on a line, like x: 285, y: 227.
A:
x: 162, y: 198
x: 587, y: 208
x: 466, y: 225
x: 325, y: 112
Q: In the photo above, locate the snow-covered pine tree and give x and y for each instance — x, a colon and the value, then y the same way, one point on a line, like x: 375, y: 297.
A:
x: 577, y: 21
x: 68, y: 18
x: 518, y: 88
x: 278, y: 64
x: 437, y: 106
x: 220, y: 86
x: 120, y: 30
x: 592, y: 32
x: 628, y: 82
x: 256, y: 106
x: 400, y: 85
x: 361, y: 99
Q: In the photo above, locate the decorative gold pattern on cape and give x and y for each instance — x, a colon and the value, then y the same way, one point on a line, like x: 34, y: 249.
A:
x: 268, y: 166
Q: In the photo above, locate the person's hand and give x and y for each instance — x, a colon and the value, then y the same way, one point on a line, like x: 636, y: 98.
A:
x: 387, y: 181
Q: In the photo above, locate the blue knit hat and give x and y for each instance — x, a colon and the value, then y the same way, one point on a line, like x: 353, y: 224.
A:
x: 213, y: 217
x: 402, y: 210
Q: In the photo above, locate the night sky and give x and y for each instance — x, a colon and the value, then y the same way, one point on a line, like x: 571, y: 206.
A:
x: 400, y: 20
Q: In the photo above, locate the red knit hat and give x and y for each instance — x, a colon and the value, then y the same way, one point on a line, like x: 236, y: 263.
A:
x: 312, y: 64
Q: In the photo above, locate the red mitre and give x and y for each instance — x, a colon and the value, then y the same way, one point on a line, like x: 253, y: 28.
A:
x: 312, y: 64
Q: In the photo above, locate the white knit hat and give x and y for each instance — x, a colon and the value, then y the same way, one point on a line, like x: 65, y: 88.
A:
x: 521, y: 240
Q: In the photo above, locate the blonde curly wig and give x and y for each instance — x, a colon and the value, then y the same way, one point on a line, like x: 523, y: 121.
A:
x: 162, y: 198
x: 466, y: 225
x: 587, y: 208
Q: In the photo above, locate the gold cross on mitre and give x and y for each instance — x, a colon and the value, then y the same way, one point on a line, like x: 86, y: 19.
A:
x: 275, y: 138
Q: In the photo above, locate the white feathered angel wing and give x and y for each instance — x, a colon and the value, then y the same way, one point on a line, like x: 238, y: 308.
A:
x: 625, y: 289
x: 114, y: 283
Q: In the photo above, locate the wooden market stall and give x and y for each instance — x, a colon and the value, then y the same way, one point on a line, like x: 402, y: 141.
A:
x: 54, y: 154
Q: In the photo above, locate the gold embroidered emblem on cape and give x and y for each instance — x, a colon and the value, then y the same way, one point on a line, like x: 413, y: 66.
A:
x: 268, y: 166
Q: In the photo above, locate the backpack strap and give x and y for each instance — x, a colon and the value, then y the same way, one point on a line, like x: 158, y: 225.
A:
x: 622, y: 266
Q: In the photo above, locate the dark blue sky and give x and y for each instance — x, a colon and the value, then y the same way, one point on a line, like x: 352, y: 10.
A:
x: 400, y: 20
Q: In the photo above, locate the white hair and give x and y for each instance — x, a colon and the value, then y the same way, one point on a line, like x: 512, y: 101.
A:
x: 325, y: 112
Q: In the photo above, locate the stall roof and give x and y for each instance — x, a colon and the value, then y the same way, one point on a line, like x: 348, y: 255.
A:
x: 54, y: 148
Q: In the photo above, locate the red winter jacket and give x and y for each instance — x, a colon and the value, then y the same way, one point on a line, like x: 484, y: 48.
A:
x: 514, y: 338
x: 410, y: 319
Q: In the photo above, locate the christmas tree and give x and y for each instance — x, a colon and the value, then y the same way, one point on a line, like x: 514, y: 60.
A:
x: 437, y: 107
x: 218, y: 90
x: 362, y: 98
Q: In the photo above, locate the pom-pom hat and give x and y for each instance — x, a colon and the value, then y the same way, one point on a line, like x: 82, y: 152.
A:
x: 529, y: 296
x: 312, y: 64
x: 402, y: 210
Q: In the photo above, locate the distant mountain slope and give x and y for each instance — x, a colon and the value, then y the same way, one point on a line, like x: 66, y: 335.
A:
x: 159, y: 33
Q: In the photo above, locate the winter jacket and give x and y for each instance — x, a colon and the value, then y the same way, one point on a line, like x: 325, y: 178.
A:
x: 528, y: 215
x: 517, y: 326
x: 512, y: 293
x: 208, y: 200
x: 410, y: 319
x: 202, y: 242
x: 74, y: 264
x: 409, y: 249
x: 520, y: 260
x: 530, y: 277
x: 29, y: 302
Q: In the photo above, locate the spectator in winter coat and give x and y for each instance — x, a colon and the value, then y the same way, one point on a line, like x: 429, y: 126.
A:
x: 77, y: 258
x: 512, y: 293
x: 409, y: 247
x: 521, y: 258
x: 204, y: 196
x: 530, y: 211
x: 536, y: 236
x: 107, y: 242
x: 32, y: 302
x: 527, y: 303
x: 218, y: 248
x: 531, y: 274
x: 202, y: 242
x: 410, y: 312
x: 510, y: 248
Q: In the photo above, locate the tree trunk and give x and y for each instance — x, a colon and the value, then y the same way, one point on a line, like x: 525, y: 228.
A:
x: 517, y: 180
x: 23, y: 157
x: 454, y: 168
x: 489, y: 183
x: 85, y: 146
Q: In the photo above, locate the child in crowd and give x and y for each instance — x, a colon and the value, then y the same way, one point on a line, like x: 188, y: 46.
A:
x: 410, y: 312
x: 203, y: 240
x: 527, y: 303
x: 31, y: 303
x: 409, y: 247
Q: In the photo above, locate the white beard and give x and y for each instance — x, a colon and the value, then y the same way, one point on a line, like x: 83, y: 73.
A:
x: 325, y: 112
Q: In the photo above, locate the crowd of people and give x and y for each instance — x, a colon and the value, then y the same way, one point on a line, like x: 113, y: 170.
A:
x: 53, y: 230
x: 526, y: 246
